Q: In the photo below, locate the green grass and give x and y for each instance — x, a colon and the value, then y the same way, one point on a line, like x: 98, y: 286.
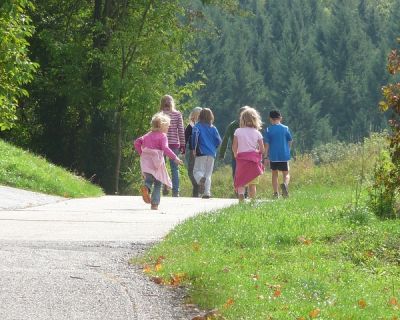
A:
x: 21, y: 169
x: 309, y: 256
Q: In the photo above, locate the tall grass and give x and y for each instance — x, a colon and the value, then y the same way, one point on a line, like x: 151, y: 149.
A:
x: 21, y: 169
x: 309, y: 256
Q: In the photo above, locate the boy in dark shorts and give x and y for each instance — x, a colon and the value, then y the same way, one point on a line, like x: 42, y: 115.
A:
x: 277, y: 142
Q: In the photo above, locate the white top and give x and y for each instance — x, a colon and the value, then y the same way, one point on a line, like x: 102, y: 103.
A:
x: 247, y: 139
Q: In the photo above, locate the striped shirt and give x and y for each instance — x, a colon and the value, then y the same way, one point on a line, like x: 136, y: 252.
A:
x: 176, y: 133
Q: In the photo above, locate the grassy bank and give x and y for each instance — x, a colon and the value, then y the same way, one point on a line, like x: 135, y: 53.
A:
x: 309, y: 256
x: 21, y: 169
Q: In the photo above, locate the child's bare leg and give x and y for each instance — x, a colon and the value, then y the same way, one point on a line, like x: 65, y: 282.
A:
x: 286, y: 177
x: 252, y: 191
x: 275, y: 180
x: 240, y: 191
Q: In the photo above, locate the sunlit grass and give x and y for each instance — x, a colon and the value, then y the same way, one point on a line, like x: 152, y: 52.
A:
x: 21, y: 169
x: 310, y: 256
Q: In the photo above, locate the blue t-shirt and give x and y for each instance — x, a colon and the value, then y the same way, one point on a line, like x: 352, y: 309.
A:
x: 278, y: 136
x: 205, y: 139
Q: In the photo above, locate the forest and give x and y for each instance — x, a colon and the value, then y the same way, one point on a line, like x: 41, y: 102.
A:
x: 79, y: 80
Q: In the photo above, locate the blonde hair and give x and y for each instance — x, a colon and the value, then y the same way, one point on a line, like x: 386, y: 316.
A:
x: 206, y: 116
x: 194, y: 115
x: 159, y: 121
x: 250, y: 118
x: 167, y: 103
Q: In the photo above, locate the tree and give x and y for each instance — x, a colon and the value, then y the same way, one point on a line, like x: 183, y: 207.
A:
x: 16, y: 69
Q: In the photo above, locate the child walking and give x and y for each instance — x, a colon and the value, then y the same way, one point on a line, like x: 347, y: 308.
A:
x: 248, y: 148
x: 278, y: 141
x: 176, y: 139
x: 151, y: 148
x: 205, y: 141
x: 193, y: 117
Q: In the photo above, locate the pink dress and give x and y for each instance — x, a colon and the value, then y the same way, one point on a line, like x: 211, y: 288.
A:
x: 151, y: 148
x: 248, y: 160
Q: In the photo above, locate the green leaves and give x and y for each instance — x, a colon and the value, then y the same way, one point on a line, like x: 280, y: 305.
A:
x: 16, y: 68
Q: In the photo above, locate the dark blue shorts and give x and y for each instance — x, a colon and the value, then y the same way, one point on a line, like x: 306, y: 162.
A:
x: 281, y: 166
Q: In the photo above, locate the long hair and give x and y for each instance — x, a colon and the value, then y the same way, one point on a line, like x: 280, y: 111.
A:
x: 167, y: 103
x: 250, y: 118
x: 206, y: 116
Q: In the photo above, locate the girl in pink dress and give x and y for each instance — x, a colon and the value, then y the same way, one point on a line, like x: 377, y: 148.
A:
x: 248, y: 148
x: 151, y: 148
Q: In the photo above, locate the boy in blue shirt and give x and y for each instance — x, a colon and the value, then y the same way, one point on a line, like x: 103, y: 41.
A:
x: 277, y: 142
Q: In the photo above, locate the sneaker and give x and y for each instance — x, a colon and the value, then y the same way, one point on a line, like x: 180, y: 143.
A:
x: 285, y: 190
x: 276, y: 195
x: 175, y: 195
x: 202, y: 185
x: 165, y: 190
x: 145, y: 194
x: 205, y: 197
x: 154, y: 206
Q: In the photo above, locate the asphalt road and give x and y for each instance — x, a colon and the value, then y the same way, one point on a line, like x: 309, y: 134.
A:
x: 68, y: 259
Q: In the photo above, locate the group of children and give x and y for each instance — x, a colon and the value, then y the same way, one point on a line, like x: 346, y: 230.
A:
x: 251, y: 151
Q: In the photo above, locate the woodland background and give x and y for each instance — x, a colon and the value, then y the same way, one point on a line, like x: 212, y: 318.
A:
x: 83, y: 78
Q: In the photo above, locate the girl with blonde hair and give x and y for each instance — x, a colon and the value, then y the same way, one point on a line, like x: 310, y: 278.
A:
x: 248, y: 147
x: 151, y: 148
x: 176, y: 139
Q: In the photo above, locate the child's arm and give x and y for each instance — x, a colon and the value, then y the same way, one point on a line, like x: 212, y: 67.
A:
x: 261, y: 146
x: 138, y: 145
x: 168, y: 152
x: 235, y: 146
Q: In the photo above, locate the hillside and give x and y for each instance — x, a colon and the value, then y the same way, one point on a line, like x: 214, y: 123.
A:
x: 22, y: 169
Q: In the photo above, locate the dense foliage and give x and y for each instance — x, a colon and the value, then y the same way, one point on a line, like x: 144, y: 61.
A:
x: 15, y: 66
x: 321, y: 62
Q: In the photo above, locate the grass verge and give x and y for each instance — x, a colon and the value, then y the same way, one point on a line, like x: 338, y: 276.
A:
x: 300, y: 258
x: 21, y: 169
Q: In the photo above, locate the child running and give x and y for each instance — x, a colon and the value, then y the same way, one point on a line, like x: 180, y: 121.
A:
x: 248, y: 148
x: 205, y: 141
x: 193, y: 117
x: 151, y: 148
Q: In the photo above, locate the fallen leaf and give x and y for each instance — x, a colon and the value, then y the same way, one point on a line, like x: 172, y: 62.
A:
x: 158, y: 267
x: 314, y: 313
x: 304, y: 240
x: 277, y: 293
x: 147, y: 269
x: 229, y: 303
x: 157, y: 280
x: 393, y: 301
x: 177, y: 278
x: 362, y: 303
x: 199, y: 318
x: 301, y: 318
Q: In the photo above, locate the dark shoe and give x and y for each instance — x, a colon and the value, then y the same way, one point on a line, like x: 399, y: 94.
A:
x: 285, y: 190
x: 202, y: 185
x: 275, y: 195
x: 165, y: 190
x: 206, y: 197
x: 154, y: 206
x: 175, y: 195
x: 145, y: 194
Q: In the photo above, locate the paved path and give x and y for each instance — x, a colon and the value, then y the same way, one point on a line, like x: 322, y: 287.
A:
x: 68, y: 259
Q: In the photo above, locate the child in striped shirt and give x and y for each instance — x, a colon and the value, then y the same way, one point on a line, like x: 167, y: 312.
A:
x: 176, y: 139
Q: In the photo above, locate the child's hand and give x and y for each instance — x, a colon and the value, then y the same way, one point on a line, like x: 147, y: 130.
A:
x: 178, y: 161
